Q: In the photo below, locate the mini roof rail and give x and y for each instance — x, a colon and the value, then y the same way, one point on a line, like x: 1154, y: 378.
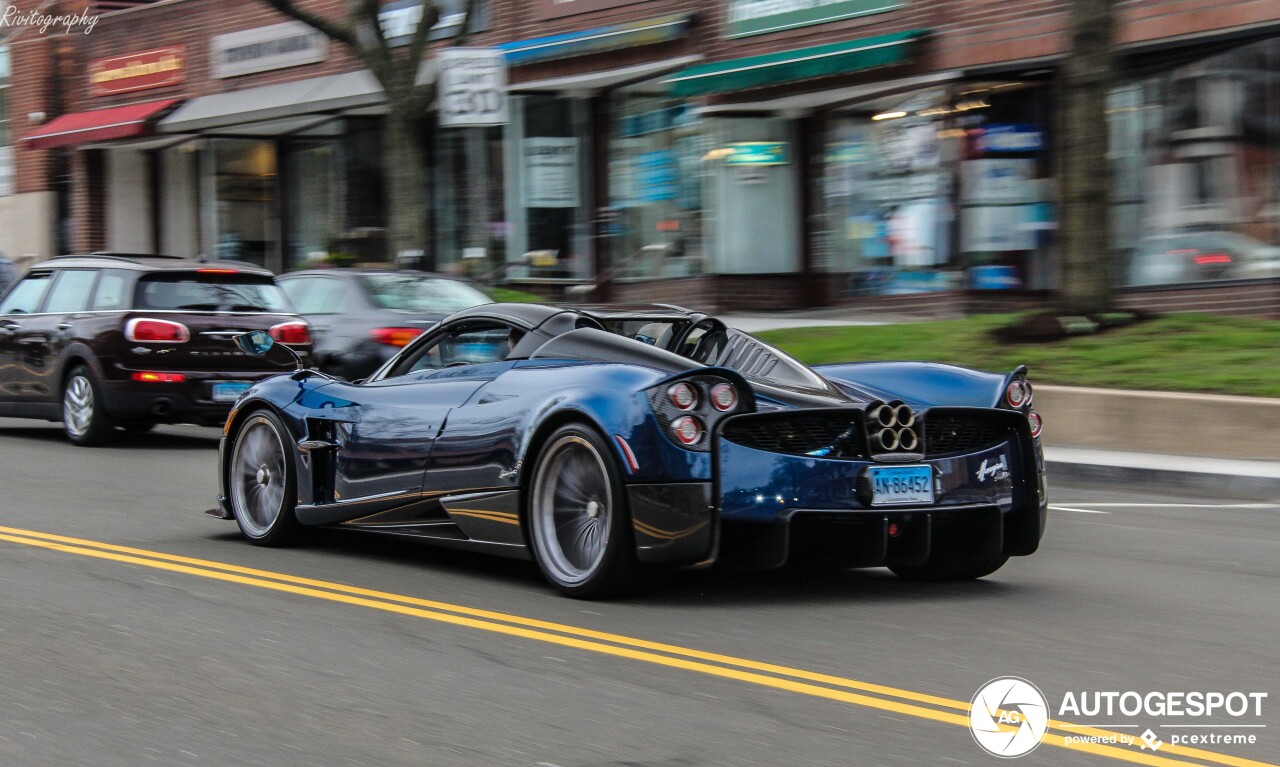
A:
x: 113, y: 254
x: 129, y: 257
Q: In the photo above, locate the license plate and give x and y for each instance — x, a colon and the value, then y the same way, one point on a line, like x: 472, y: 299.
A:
x: 229, y: 391
x: 891, y: 485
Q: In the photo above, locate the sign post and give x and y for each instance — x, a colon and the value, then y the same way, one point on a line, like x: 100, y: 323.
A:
x: 473, y: 88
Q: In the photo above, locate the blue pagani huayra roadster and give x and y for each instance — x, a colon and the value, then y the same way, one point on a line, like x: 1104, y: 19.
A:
x: 609, y: 443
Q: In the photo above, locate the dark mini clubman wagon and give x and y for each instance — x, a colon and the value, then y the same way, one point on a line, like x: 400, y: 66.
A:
x: 108, y: 340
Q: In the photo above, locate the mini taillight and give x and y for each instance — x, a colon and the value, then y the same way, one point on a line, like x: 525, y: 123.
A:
x: 1036, y: 424
x: 217, y: 271
x: 145, y: 330
x: 1018, y: 395
x: 683, y: 396
x: 688, y: 430
x: 291, y: 333
x: 395, y: 336
x: 724, y: 397
x: 150, y: 377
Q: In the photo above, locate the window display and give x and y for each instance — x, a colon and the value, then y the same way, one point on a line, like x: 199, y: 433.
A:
x: 1197, y: 170
x: 939, y: 190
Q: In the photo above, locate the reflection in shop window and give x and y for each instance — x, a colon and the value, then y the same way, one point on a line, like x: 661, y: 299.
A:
x: 656, y: 171
x: 6, y: 143
x: 939, y: 190
x: 549, y: 162
x: 244, y: 191
x: 1196, y: 153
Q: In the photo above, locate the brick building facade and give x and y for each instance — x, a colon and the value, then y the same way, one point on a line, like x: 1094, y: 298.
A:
x: 729, y: 153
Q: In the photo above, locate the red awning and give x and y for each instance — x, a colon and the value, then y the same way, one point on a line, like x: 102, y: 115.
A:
x: 99, y: 125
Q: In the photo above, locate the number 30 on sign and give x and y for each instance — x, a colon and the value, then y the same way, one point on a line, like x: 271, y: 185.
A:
x: 473, y: 87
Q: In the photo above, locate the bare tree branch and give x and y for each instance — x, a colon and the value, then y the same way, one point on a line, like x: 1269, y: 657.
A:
x: 343, y: 33
x: 464, y: 32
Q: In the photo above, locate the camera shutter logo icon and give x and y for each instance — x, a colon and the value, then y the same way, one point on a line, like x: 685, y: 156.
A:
x: 1008, y: 717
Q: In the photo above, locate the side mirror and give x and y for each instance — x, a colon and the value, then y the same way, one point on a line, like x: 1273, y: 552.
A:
x: 256, y: 343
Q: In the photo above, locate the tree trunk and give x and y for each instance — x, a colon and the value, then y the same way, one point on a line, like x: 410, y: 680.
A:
x: 405, y: 180
x: 1085, y: 254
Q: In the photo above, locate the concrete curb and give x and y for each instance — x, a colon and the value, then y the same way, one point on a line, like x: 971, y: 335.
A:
x: 1208, y: 425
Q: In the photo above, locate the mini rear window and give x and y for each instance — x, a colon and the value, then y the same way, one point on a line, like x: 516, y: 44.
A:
x: 198, y: 292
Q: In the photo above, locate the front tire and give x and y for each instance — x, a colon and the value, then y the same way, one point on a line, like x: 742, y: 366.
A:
x: 84, y: 420
x: 578, y: 521
x: 261, y: 481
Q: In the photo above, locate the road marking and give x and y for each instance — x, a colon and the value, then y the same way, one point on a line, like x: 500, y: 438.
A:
x: 1056, y: 507
x: 1134, y: 505
x: 572, y: 636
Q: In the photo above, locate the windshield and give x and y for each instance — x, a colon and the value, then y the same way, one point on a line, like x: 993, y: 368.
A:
x: 210, y: 293
x: 421, y: 293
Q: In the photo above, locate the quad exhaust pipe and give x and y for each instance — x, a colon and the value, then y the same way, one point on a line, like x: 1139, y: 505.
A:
x: 892, y: 428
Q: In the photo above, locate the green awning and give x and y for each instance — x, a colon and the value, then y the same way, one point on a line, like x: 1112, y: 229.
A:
x: 790, y: 66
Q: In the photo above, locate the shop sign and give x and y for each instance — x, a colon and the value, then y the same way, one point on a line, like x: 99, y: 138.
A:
x: 1010, y: 137
x: 473, y: 87
x: 554, y: 9
x: 550, y: 172
x: 399, y: 19
x: 278, y: 46
x: 758, y: 17
x: 6, y: 170
x: 757, y: 153
x: 137, y: 71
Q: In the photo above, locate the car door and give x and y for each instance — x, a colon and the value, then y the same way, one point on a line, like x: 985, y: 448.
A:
x: 19, y: 310
x: 42, y: 338
x: 385, y: 450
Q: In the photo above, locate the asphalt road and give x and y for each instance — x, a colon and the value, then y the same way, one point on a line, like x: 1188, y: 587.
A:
x: 121, y: 657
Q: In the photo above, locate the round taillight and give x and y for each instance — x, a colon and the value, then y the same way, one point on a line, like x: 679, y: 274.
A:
x: 291, y: 333
x: 688, y: 430
x: 1036, y: 424
x: 156, y: 331
x: 724, y: 397
x: 683, y: 396
x: 1018, y: 395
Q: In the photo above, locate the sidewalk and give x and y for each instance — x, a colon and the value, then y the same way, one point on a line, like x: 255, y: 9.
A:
x: 1218, y: 477
x: 814, y: 318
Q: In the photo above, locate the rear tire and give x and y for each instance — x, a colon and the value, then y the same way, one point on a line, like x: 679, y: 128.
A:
x: 952, y: 567
x: 261, y: 483
x: 83, y: 419
x: 578, y: 522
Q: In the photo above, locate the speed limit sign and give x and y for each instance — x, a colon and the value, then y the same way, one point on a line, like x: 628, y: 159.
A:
x: 473, y: 87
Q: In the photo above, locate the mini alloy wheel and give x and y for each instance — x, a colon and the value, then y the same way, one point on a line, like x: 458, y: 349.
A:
x: 83, y: 419
x: 261, y: 481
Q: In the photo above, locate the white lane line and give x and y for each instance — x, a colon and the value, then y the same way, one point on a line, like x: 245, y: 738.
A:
x: 1180, y: 505
x: 1055, y: 507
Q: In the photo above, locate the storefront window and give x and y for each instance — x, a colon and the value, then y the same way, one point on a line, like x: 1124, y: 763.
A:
x: 470, y: 212
x: 6, y: 139
x: 940, y: 190
x: 313, y: 206
x: 245, y: 225
x: 656, y: 171
x: 1196, y: 154
x: 550, y: 160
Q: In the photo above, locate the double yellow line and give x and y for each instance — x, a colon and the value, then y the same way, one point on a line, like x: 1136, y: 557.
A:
x: 906, y: 702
